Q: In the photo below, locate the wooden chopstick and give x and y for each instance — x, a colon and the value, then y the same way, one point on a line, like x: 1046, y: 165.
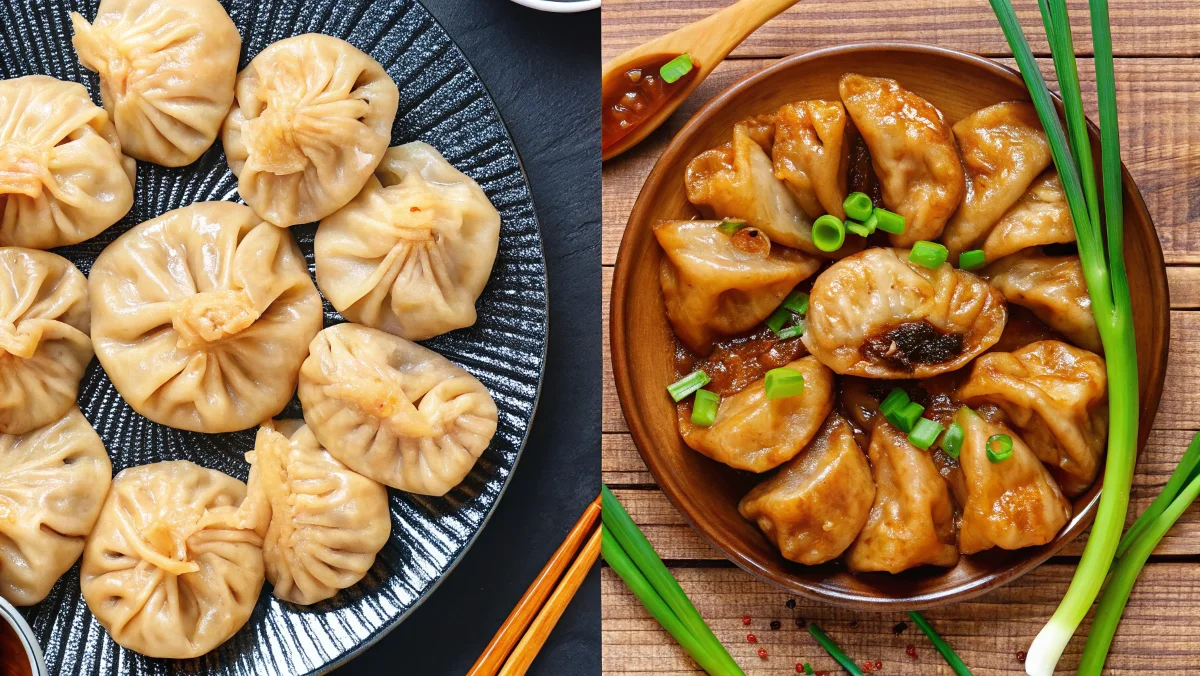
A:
x: 510, y: 633
x: 535, y: 638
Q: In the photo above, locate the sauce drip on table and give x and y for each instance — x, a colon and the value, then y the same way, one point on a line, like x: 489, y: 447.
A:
x: 634, y: 96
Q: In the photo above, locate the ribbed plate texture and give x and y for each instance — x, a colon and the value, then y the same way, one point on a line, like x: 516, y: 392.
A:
x: 442, y: 102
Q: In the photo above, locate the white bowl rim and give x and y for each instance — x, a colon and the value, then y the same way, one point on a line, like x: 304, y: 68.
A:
x: 9, y: 614
x: 560, y: 7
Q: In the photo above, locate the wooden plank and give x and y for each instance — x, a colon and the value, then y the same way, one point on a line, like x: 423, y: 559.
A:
x: 1156, y: 637
x: 1160, y: 135
x: 1140, y: 28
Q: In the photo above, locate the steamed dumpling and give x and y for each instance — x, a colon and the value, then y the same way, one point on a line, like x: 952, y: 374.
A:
x: 813, y: 508
x: 1010, y: 504
x: 913, y: 153
x: 202, y: 317
x: 44, y: 342
x: 1057, y: 397
x: 174, y: 565
x: 1042, y: 216
x: 410, y: 254
x: 311, y: 120
x: 327, y: 522
x: 811, y: 154
x: 166, y: 69
x: 1052, y: 287
x: 63, y: 177
x: 52, y: 484
x: 876, y: 315
x: 394, y: 411
x: 757, y: 434
x: 912, y: 519
x: 718, y: 285
x: 1004, y: 149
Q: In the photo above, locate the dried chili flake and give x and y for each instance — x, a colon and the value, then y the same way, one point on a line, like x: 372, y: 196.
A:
x: 911, y: 651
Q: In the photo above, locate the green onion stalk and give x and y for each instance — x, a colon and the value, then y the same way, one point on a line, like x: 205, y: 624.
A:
x: 1104, y: 272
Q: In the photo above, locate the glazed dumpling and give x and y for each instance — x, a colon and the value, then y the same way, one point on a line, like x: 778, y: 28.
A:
x: 876, y: 315
x: 813, y: 508
x: 1004, y: 149
x: 410, y: 254
x: 1056, y: 396
x: 44, y: 342
x: 1010, y: 504
x: 52, y: 483
x: 394, y: 411
x: 757, y: 434
x: 202, y: 317
x: 1052, y: 287
x: 311, y: 119
x: 174, y: 565
x: 167, y: 69
x: 1042, y: 216
x: 913, y: 153
x: 812, y: 155
x: 718, y: 285
x: 327, y: 522
x: 63, y: 177
x: 912, y: 519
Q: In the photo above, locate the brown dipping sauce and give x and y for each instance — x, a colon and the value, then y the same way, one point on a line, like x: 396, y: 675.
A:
x: 13, y: 659
x: 735, y: 363
x: 632, y: 97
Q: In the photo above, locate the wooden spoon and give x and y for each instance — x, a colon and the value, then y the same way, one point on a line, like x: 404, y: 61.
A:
x: 708, y: 41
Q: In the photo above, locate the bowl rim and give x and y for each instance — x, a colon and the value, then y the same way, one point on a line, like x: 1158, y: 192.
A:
x: 642, y: 438
x: 560, y: 6
x: 11, y: 616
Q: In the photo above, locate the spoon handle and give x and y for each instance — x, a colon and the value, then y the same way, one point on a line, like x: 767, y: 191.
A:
x: 727, y: 28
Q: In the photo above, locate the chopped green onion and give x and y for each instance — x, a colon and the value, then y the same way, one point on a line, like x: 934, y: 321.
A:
x: 924, y: 433
x: 828, y: 233
x: 972, y: 260
x: 895, y: 400
x: 888, y: 221
x: 704, y: 408
x: 999, y: 447
x: 952, y: 441
x: 686, y: 385
x: 676, y: 68
x: 808, y: 669
x: 858, y: 206
x: 906, y: 416
x: 731, y: 225
x: 783, y: 382
x: 857, y: 228
x: 871, y: 223
x: 794, y: 331
x: 797, y: 301
x: 834, y: 651
x: 778, y: 318
x: 952, y: 658
x: 928, y: 254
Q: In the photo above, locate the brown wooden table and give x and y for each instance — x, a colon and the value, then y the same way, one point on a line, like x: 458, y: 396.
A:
x: 1157, y: 43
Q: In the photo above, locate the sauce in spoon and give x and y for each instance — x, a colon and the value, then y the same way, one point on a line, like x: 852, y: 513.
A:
x: 634, y: 95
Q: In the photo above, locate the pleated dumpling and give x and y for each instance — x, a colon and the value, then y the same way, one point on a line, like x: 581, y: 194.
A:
x: 811, y: 154
x: 327, y: 521
x: 202, y: 317
x: 717, y: 285
x: 311, y: 119
x: 174, y: 565
x: 167, y: 69
x: 913, y: 153
x: 1042, y: 216
x: 52, y: 484
x: 394, y: 411
x: 63, y: 177
x: 410, y: 254
x: 44, y: 342
x: 1052, y: 287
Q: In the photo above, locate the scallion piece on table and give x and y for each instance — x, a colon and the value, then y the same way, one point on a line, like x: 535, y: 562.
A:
x: 797, y: 301
x: 928, y: 254
x: 834, y: 651
x: 729, y: 226
x: 858, y: 206
x: 783, y: 382
x: 681, y: 388
x: 999, y: 447
x: 1102, y: 257
x: 704, y: 408
x: 794, y: 331
x: 676, y: 68
x: 888, y: 221
x: 906, y: 416
x: 778, y: 318
x: 808, y: 669
x: 972, y: 260
x: 828, y: 233
x: 872, y: 223
x: 857, y: 228
x: 924, y: 433
x: 952, y: 440
x: 895, y: 400
x: 952, y: 658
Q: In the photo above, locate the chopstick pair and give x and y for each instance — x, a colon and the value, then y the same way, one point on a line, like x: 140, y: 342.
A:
x: 526, y: 628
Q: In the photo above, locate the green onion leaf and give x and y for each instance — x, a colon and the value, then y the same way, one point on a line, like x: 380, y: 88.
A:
x: 871, y: 223
x: 778, y: 318
x: 858, y: 206
x: 952, y: 658
x: 828, y: 233
x: 797, y: 301
x: 928, y: 254
x: 906, y: 417
x: 888, y: 221
x: 924, y: 433
x: 783, y: 382
x: 704, y: 408
x: 952, y: 441
x: 972, y: 260
x: 690, y: 383
x: 676, y: 68
x: 857, y: 228
x: 794, y: 331
x: 729, y: 226
x: 999, y: 447
x: 895, y: 400
x: 834, y: 651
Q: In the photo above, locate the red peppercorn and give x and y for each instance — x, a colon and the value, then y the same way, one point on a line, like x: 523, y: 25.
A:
x: 911, y: 651
x: 746, y: 620
x: 878, y: 665
x: 762, y: 652
x: 1021, y: 657
x: 751, y: 638
x: 799, y: 667
x: 868, y: 667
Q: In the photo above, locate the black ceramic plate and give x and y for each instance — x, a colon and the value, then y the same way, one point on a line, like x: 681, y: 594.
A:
x: 442, y: 102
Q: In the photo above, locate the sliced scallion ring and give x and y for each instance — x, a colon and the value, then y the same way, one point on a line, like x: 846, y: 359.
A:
x: 999, y: 447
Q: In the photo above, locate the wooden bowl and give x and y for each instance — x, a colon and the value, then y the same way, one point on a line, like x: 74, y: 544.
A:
x: 707, y: 492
